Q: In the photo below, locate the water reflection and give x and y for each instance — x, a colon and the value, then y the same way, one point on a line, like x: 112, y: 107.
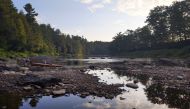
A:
x: 175, y: 98
x: 142, y: 78
x: 10, y: 101
x: 34, y: 101
x: 74, y: 63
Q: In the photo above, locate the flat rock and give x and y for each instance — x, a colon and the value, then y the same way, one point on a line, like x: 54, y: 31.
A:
x: 9, y: 72
x: 23, y: 69
x: 27, y: 88
x: 59, y: 92
x: 37, y: 87
x: 179, y: 77
x: 132, y: 85
x: 61, y: 84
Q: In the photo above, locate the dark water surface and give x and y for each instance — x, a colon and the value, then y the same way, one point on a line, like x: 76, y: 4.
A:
x: 147, y: 96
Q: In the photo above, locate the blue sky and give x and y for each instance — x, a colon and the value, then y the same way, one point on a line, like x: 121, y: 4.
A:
x: 93, y: 19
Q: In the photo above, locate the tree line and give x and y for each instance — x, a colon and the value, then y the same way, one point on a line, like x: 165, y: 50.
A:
x: 166, y: 27
x: 20, y: 32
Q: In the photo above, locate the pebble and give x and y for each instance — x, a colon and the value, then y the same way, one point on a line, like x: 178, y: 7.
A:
x: 180, y: 77
x: 121, y: 98
x: 59, y: 92
x: 27, y: 88
x: 4, y: 107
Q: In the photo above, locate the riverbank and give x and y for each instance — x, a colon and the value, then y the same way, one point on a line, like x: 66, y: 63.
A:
x: 54, y: 81
x: 169, y: 73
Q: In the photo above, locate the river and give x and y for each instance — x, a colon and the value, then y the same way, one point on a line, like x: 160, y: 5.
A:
x: 147, y: 96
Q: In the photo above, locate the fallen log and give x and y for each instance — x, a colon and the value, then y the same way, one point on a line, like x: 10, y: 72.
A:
x: 45, y: 65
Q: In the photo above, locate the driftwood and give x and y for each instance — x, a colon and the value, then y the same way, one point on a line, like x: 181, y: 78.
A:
x: 45, y: 65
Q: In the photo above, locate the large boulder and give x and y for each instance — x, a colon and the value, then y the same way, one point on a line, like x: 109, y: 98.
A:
x: 132, y: 85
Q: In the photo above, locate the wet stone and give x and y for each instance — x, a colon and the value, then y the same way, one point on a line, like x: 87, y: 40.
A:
x: 132, y: 85
x: 59, y: 92
x: 122, y: 98
x: 4, y: 107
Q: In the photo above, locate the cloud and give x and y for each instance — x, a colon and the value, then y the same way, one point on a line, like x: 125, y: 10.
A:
x: 139, y: 7
x: 93, y: 5
x: 97, y: 106
x: 86, y: 1
x: 106, y: 1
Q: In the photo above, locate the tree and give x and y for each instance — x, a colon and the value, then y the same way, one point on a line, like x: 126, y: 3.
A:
x: 31, y: 14
x: 179, y: 20
x: 158, y: 20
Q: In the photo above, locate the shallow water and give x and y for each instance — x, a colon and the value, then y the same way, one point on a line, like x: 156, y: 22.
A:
x: 147, y: 96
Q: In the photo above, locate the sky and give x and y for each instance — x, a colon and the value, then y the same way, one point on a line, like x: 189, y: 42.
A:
x: 94, y: 19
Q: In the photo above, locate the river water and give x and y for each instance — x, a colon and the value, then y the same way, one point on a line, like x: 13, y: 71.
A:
x: 147, y: 96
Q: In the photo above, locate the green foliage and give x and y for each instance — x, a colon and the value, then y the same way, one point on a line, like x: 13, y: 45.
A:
x: 31, y: 14
x: 21, y: 35
x: 98, y: 48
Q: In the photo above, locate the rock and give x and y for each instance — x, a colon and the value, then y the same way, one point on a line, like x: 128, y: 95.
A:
x: 92, y: 67
x: 9, y: 72
x: 61, y: 84
x: 85, y: 93
x: 4, y: 107
x: 23, y: 69
x: 132, y: 85
x: 109, y: 96
x: 121, y: 98
x: 37, y: 87
x: 83, y: 96
x: 82, y: 70
x: 147, y: 66
x: 135, y: 81
x: 27, y: 88
x: 180, y: 77
x: 3, y: 68
x: 59, y: 92
x: 30, y: 79
x: 46, y: 90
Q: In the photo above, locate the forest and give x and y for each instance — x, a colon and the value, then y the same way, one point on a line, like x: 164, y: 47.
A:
x: 21, y: 34
x: 167, y: 33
